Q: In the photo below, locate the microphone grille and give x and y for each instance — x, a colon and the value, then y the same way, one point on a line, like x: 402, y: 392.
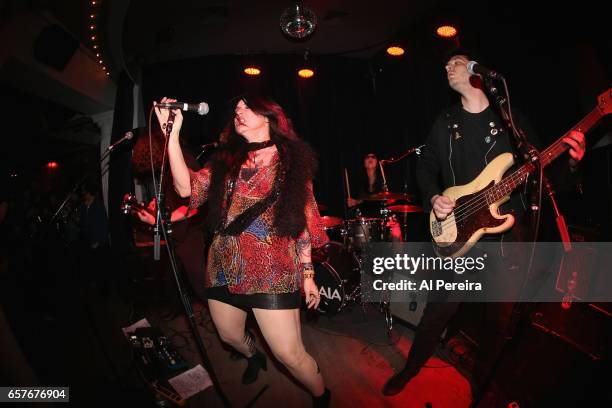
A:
x: 203, y: 108
x: 128, y: 135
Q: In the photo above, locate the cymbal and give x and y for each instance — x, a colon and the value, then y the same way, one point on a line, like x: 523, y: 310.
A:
x: 405, y: 208
x: 387, y: 195
x: 330, y: 221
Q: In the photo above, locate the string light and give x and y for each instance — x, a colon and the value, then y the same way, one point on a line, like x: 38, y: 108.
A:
x: 93, y: 26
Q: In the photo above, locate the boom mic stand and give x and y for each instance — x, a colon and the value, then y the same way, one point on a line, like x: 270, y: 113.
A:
x: 531, y: 155
x: 161, y: 229
x: 392, y: 160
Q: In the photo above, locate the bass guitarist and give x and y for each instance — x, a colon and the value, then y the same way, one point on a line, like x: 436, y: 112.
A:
x: 462, y: 142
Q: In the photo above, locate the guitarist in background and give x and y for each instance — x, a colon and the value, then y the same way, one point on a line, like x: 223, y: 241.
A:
x: 462, y: 141
x: 187, y: 234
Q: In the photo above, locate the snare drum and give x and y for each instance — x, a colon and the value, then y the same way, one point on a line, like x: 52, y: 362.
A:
x: 337, y: 275
x: 363, y: 230
x: 333, y: 227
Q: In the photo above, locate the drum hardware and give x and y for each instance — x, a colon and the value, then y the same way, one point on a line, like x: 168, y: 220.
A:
x: 387, y: 195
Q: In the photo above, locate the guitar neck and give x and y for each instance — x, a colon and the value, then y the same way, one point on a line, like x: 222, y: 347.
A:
x: 557, y: 148
x: 550, y: 154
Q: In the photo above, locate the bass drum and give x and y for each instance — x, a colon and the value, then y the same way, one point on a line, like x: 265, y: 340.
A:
x: 337, y: 275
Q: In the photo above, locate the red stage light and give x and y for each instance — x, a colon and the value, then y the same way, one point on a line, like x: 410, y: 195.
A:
x: 52, y: 165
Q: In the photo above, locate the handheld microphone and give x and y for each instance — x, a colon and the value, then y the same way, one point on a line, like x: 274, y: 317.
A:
x: 201, y: 108
x: 128, y: 135
x: 475, y: 68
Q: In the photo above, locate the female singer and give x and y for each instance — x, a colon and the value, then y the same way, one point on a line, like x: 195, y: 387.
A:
x: 265, y: 221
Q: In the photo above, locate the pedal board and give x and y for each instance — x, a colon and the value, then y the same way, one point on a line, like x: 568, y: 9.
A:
x: 158, y: 360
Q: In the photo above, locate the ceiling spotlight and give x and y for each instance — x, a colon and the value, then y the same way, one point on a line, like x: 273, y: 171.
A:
x: 446, y: 31
x: 252, y: 71
x: 298, y: 21
x: 395, y: 51
x: 306, y: 73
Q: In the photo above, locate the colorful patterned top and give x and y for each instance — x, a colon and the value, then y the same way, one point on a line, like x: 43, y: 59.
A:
x: 257, y: 260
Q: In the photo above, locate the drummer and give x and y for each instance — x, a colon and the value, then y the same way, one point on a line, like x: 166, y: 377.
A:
x: 368, y: 183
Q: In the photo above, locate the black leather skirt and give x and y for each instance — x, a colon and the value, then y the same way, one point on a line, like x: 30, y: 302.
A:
x: 273, y: 301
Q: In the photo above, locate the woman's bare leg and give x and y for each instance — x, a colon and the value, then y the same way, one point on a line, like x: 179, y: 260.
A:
x: 230, y: 321
x: 282, y: 331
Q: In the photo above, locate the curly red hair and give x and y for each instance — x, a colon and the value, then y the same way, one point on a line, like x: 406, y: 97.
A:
x: 141, y: 155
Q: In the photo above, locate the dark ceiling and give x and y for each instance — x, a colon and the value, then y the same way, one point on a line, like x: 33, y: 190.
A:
x: 207, y: 27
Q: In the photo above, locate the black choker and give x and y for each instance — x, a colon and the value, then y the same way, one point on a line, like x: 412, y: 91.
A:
x: 259, y: 145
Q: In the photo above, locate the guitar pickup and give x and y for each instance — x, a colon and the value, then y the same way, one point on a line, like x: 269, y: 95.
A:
x: 436, y: 228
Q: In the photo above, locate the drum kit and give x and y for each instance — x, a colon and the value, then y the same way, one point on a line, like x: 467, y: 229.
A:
x: 338, y: 265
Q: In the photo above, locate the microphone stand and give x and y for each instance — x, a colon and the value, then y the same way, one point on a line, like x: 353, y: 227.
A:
x: 392, y: 160
x: 531, y: 155
x: 205, y: 148
x: 161, y: 226
x: 81, y: 181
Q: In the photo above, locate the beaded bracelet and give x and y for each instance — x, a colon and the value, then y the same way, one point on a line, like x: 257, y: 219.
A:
x: 306, y: 266
x: 309, y: 275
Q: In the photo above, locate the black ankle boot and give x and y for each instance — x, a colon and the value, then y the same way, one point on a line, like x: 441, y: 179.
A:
x: 396, y: 384
x: 322, y: 401
x: 255, y: 362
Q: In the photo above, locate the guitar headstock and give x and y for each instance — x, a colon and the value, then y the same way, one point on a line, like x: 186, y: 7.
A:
x: 604, y: 102
x: 129, y: 202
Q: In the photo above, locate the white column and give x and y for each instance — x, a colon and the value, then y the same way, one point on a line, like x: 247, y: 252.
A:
x: 104, y: 121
